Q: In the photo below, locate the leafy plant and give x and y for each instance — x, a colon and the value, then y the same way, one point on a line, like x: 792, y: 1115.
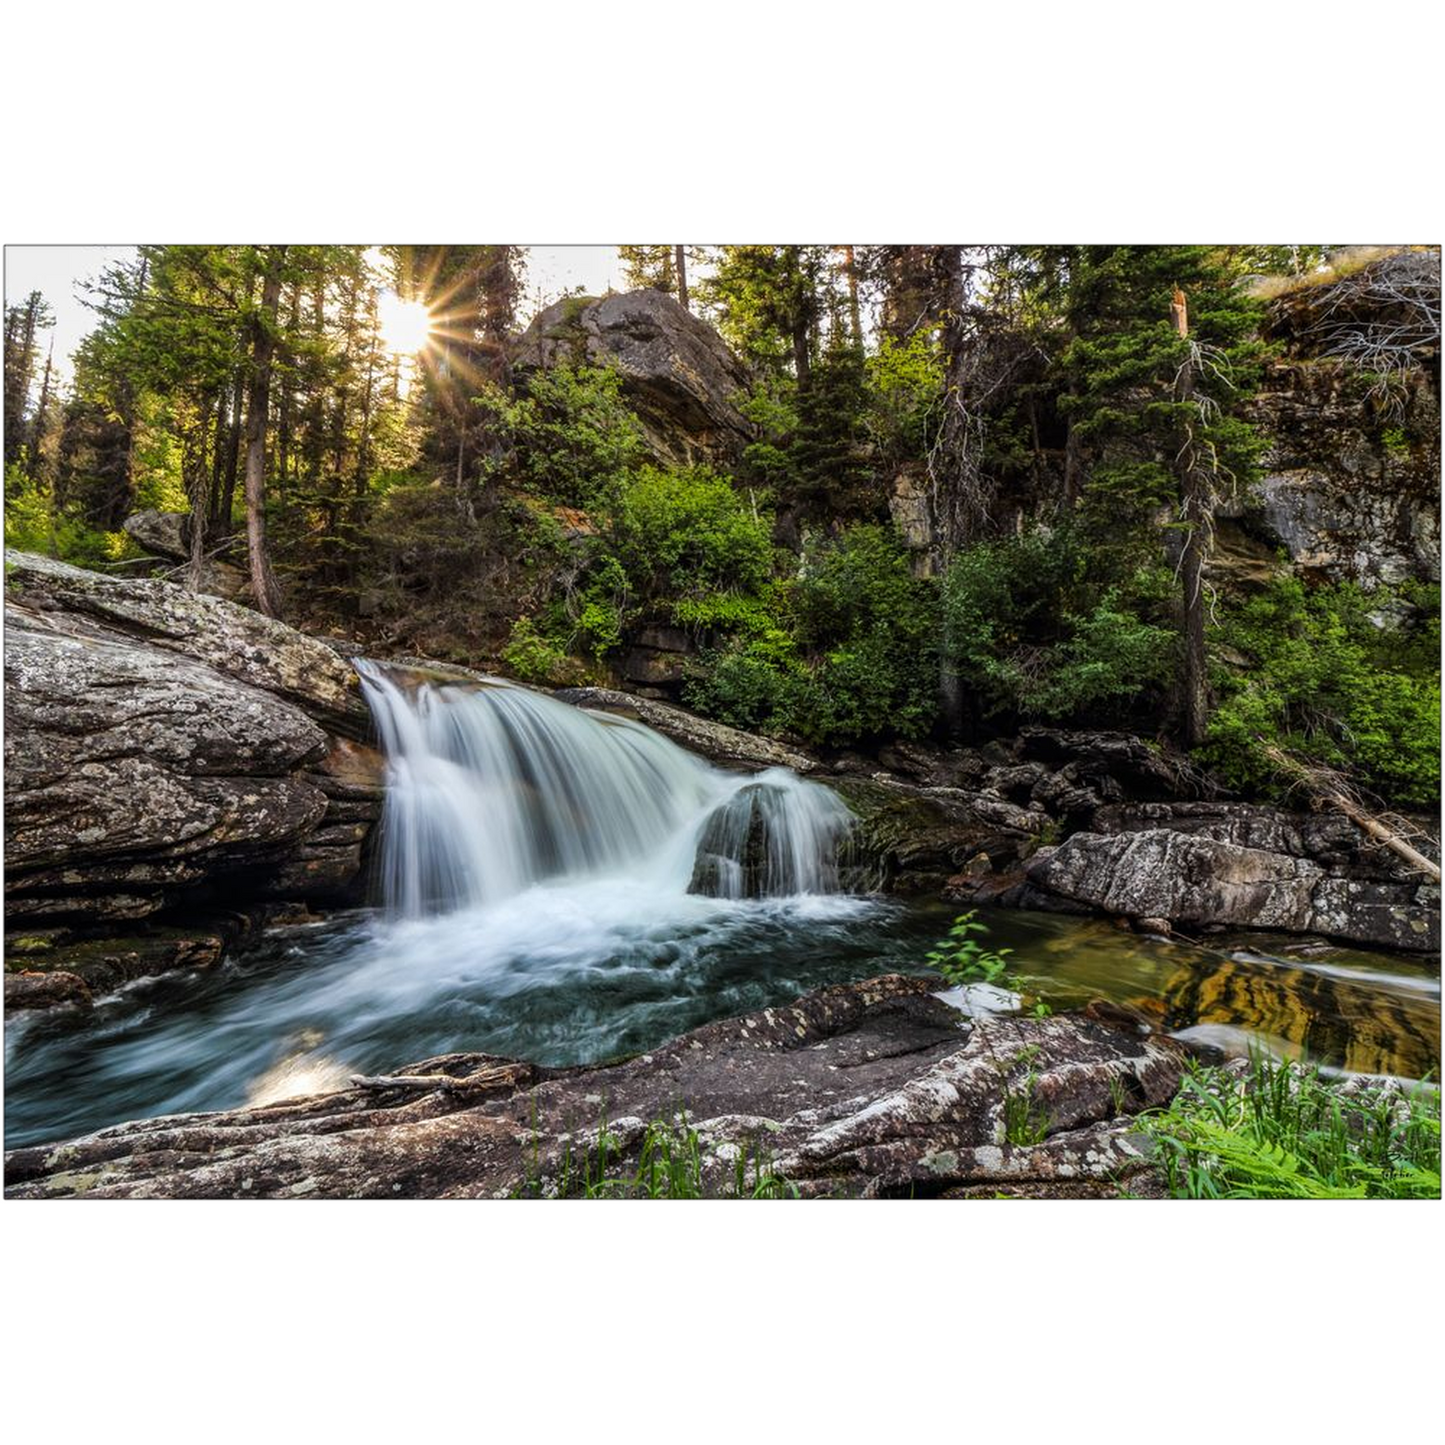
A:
x: 1281, y: 1131
x: 962, y: 959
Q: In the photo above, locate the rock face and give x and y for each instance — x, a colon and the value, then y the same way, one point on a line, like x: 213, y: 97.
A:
x: 1350, y: 487
x: 167, y: 752
x: 1187, y: 877
x: 676, y: 371
x: 871, y: 1089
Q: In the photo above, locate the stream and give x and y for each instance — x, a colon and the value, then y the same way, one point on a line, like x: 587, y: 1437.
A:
x: 569, y: 889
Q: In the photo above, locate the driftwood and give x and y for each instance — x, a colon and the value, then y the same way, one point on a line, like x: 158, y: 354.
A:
x: 1327, y: 789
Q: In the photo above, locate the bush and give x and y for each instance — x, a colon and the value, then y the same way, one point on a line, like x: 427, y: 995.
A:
x: 570, y: 436
x: 843, y: 652
x: 1337, y: 678
x: 1036, y: 630
x: 33, y: 523
x: 688, y: 544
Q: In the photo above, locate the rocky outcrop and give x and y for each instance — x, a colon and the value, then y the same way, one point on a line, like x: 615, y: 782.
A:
x: 1351, y: 483
x: 167, y: 753
x: 1188, y: 877
x: 875, y: 1089
x: 1351, y: 410
x: 677, y: 373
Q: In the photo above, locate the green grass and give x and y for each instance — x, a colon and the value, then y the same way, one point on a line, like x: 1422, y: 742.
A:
x: 1281, y: 1131
x: 670, y: 1165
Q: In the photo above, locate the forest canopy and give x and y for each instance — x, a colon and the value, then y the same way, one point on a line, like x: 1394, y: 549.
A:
x: 959, y: 488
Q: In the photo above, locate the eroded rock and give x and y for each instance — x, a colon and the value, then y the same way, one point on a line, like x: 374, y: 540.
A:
x: 875, y: 1088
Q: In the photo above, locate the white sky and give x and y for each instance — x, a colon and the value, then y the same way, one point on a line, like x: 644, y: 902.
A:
x: 56, y: 271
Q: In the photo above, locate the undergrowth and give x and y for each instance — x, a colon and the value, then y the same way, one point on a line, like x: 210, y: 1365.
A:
x: 670, y: 1165
x: 1282, y: 1132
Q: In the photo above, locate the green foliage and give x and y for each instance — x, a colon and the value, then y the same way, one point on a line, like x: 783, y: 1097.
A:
x: 962, y: 959
x: 841, y: 652
x: 1120, y: 372
x: 1039, y: 628
x: 684, y: 536
x: 34, y: 522
x: 670, y: 1165
x: 1024, y: 1123
x: 905, y: 395
x: 1336, y: 677
x: 569, y: 435
x: 1283, y: 1132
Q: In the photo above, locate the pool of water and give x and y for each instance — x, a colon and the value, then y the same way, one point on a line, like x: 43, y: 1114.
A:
x: 581, y: 973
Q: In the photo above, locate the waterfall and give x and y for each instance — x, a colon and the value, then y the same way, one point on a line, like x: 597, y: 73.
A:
x: 494, y: 788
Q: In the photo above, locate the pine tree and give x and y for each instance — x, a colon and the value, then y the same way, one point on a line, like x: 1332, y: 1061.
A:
x: 1161, y: 359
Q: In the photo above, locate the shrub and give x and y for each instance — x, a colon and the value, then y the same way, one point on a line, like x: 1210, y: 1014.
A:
x: 1335, y: 678
x: 686, y: 540
x: 570, y: 436
x: 1034, y: 629
x: 844, y: 651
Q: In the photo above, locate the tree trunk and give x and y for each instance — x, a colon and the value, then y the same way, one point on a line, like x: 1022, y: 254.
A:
x: 681, y: 252
x: 37, y: 432
x: 1194, y: 508
x: 263, y: 349
x: 850, y: 270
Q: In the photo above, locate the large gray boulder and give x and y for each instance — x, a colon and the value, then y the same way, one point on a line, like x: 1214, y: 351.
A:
x: 167, y: 756
x: 1190, y: 878
x: 677, y: 373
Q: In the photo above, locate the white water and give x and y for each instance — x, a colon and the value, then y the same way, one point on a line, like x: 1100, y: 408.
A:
x: 492, y: 790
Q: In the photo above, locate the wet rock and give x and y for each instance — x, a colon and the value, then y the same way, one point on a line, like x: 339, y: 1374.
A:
x: 29, y: 989
x: 1188, y: 878
x: 876, y: 1088
x: 677, y: 373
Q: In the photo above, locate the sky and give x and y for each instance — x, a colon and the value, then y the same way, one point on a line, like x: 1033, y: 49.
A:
x: 57, y: 271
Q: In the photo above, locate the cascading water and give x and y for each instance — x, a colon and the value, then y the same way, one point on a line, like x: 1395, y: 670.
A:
x: 566, y: 887
x: 560, y: 886
x: 494, y: 789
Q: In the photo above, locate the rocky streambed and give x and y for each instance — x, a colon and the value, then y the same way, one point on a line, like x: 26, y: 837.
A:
x: 873, y: 1089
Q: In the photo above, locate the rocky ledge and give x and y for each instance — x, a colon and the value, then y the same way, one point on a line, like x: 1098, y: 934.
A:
x: 870, y: 1089
x: 171, y: 759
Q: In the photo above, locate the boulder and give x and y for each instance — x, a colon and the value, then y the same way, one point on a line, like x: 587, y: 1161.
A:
x: 677, y: 373
x: 875, y: 1088
x: 1191, y: 878
x: 258, y: 651
x: 169, y: 756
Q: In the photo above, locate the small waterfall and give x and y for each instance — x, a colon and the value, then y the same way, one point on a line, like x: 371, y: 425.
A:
x: 494, y: 788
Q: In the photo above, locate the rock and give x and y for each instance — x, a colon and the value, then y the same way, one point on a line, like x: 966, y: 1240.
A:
x: 163, y: 752
x: 167, y: 534
x: 1116, y: 766
x: 677, y: 373
x: 912, y: 513
x: 52, y: 989
x: 242, y: 644
x: 875, y: 1088
x: 715, y: 741
x: 910, y: 839
x: 1186, y: 878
